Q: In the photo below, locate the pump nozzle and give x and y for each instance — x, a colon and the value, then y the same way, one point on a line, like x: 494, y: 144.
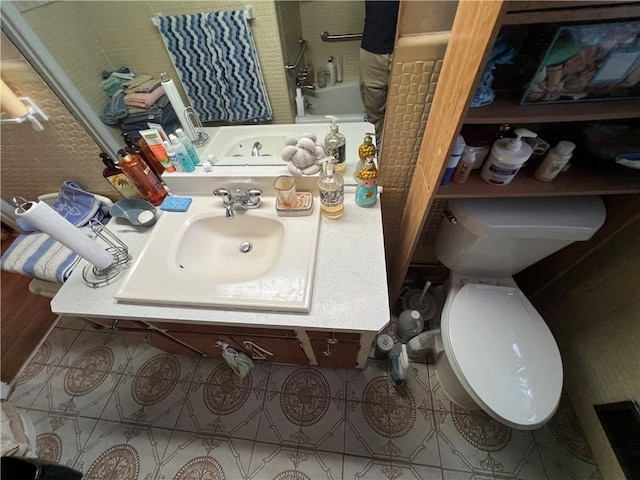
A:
x: 516, y: 144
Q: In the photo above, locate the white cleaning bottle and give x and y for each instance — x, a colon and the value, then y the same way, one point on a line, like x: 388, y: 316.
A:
x: 507, y: 156
x: 400, y: 367
x: 333, y: 74
x: 554, y: 161
x: 299, y: 103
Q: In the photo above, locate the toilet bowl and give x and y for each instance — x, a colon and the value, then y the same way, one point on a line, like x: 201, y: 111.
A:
x: 497, y: 352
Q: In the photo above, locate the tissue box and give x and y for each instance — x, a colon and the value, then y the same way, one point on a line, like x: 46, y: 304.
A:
x: 588, y: 62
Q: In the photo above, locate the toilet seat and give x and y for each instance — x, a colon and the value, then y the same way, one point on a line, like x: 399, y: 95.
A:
x: 503, y: 353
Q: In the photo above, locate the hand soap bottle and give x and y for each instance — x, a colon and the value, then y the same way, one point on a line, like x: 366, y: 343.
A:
x: 507, y: 156
x: 331, y: 187
x: 335, y: 144
x: 367, y: 191
x: 117, y: 179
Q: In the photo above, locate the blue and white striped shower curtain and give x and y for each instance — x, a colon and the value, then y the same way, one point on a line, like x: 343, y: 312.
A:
x: 215, y: 56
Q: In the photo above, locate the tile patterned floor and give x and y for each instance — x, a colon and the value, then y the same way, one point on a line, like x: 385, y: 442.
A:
x: 115, y: 407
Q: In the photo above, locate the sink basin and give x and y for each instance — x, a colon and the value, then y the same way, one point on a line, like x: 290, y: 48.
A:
x: 272, y: 145
x: 255, y: 261
x: 243, y: 248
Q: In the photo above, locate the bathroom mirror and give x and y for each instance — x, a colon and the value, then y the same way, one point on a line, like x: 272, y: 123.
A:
x: 87, y: 37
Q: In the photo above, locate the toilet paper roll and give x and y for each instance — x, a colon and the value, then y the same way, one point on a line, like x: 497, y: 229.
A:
x: 49, y: 221
x: 10, y: 103
x: 171, y: 91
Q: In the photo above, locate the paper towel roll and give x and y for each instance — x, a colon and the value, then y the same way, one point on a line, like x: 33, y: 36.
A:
x: 10, y: 103
x: 173, y: 95
x: 49, y: 221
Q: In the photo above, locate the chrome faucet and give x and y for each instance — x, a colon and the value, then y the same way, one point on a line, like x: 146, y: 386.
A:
x: 255, y: 150
x: 247, y: 201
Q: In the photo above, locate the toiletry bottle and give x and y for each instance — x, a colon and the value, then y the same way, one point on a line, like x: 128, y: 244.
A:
x: 151, y: 159
x: 183, y: 155
x: 154, y: 140
x: 335, y: 144
x: 452, y: 161
x: 465, y: 165
x: 299, y: 103
x: 367, y: 191
x: 554, y: 161
x: 131, y: 147
x: 142, y: 177
x: 365, y: 150
x: 331, y: 187
x: 507, y: 156
x: 188, y: 144
x: 173, y: 157
x: 117, y: 178
x: 400, y: 367
x: 333, y: 74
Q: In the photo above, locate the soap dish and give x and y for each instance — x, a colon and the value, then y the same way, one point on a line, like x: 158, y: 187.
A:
x: 304, y: 206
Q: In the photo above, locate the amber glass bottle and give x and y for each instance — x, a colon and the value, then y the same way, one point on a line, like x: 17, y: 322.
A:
x: 142, y: 177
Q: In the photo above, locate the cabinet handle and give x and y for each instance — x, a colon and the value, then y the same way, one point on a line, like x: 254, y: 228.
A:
x: 114, y: 325
x: 330, y: 341
x: 258, y: 352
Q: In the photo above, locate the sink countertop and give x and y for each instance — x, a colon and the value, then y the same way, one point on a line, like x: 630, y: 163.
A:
x: 350, y: 290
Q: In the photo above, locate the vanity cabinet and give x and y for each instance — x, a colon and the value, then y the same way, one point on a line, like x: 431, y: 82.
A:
x: 474, y: 31
x: 335, y: 349
x: 118, y: 324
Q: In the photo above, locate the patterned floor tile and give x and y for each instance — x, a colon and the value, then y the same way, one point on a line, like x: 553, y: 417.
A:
x: 367, y: 431
x: 211, y: 368
x: 419, y: 384
x: 222, y: 409
x: 300, y: 419
x: 76, y: 391
x: 72, y: 323
x: 467, y: 443
x: 28, y: 385
x: 117, y: 450
x: 326, y: 382
x: 150, y: 401
x: 60, y: 438
x: 374, y: 373
x: 519, y: 458
x: 458, y: 475
x: 192, y: 456
x: 56, y: 346
x: 148, y: 361
x: 99, y: 351
x: 279, y: 462
x: 563, y: 448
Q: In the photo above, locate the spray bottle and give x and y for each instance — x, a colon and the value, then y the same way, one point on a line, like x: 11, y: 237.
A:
x: 400, y: 367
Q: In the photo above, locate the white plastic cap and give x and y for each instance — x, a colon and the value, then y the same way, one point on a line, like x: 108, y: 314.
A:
x: 415, y: 314
x: 516, y: 144
x: 565, y: 147
x: 207, y: 166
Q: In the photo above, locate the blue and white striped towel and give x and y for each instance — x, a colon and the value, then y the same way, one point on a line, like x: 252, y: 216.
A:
x: 215, y: 55
x: 40, y: 256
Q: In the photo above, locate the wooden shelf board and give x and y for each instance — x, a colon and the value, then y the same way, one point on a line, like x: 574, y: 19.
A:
x: 504, y: 109
x: 579, y: 180
x: 579, y: 12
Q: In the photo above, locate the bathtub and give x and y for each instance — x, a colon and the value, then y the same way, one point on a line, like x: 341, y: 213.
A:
x: 341, y: 100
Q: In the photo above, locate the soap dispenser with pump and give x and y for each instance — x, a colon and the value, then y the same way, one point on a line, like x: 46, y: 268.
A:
x: 331, y: 189
x: 335, y: 144
x: 507, y: 156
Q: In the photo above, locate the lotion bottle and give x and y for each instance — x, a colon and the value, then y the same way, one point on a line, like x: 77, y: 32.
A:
x: 183, y: 155
x: 331, y: 187
x: 173, y: 157
x: 554, y: 161
x: 465, y: 165
x: 333, y: 74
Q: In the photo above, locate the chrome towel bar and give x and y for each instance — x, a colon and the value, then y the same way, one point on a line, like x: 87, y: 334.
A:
x: 344, y: 37
x: 303, y: 47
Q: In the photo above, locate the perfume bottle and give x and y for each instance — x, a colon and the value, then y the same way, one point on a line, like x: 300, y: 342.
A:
x: 331, y: 187
x: 142, y: 177
x: 335, y: 144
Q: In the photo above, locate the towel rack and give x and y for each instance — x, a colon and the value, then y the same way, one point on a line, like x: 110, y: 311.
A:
x: 249, y: 14
x: 343, y: 37
x: 303, y: 47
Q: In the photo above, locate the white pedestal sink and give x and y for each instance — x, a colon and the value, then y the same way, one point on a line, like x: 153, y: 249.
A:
x: 255, y: 261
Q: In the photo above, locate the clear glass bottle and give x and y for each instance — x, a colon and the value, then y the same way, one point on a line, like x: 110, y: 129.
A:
x: 365, y: 150
x: 142, y: 177
x: 335, y: 145
x: 331, y: 187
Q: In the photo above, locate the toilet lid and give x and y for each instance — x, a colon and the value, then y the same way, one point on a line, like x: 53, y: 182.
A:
x: 505, y: 352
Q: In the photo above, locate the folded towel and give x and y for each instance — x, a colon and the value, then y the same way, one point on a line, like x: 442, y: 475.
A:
x: 143, y: 100
x: 142, y: 84
x: 115, y: 110
x: 40, y: 256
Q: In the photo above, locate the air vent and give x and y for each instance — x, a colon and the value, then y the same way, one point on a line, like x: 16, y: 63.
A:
x: 621, y: 423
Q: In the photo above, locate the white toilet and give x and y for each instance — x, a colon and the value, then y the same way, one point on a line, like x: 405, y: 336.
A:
x: 498, y: 354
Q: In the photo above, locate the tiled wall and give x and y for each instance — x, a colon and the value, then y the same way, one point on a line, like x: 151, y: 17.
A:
x: 33, y: 162
x: 593, y: 312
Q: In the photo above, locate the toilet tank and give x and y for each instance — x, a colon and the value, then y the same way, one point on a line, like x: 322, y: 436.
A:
x: 502, y: 236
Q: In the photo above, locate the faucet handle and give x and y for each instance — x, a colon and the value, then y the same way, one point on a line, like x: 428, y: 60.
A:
x: 224, y: 193
x: 253, y: 195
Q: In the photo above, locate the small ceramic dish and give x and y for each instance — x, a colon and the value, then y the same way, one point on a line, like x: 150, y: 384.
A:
x: 137, y: 212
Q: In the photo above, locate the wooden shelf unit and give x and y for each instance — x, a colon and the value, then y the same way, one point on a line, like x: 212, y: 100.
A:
x: 528, y: 12
x: 579, y: 180
x: 505, y: 109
